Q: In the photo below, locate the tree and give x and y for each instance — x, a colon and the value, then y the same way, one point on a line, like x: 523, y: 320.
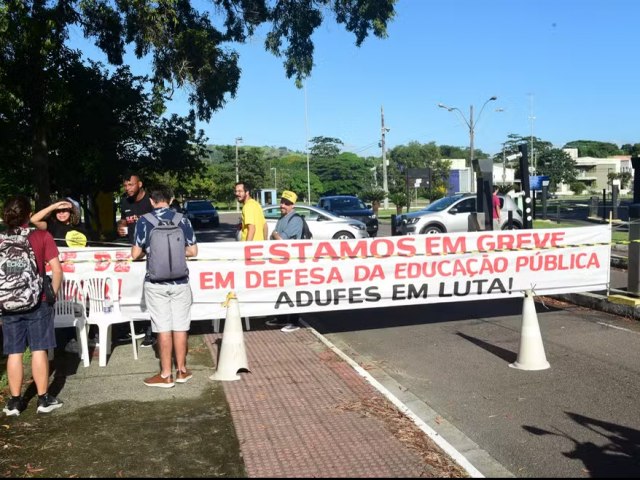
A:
x: 187, y: 45
x: 400, y: 200
x: 417, y: 155
x: 559, y: 166
x: 592, y: 148
x: 375, y: 196
x: 325, y: 147
x: 345, y: 174
x: 633, y: 150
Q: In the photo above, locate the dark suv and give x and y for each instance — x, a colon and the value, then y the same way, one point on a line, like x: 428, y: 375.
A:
x: 201, y: 213
x: 352, y: 207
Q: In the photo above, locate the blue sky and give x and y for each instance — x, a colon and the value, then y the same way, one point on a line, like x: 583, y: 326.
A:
x: 570, y: 64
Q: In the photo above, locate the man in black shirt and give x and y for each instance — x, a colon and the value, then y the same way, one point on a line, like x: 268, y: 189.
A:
x: 133, y: 206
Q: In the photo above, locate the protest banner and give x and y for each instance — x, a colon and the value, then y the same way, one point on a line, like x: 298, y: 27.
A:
x: 297, y: 276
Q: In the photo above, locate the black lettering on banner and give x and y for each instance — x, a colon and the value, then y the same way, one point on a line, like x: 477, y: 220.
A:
x: 304, y: 298
x: 409, y: 291
x: 472, y: 287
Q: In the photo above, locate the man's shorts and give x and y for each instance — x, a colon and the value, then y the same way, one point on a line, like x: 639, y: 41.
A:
x: 169, y: 306
x: 34, y: 328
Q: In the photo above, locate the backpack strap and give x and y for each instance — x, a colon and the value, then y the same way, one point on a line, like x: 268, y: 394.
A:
x: 153, y: 220
x: 177, y: 218
x: 296, y: 214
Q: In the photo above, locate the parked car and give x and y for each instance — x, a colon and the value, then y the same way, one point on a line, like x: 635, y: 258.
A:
x: 201, y: 213
x: 451, y: 214
x: 352, y: 207
x: 323, y: 225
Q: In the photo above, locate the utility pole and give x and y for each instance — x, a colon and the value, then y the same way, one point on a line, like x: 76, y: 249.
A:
x: 471, y: 123
x: 471, y: 148
x: 306, y: 126
x: 532, y: 118
x: 385, y: 185
x: 504, y: 167
x: 238, y: 140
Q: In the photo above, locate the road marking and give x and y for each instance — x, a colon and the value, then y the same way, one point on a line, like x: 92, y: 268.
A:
x: 617, y: 328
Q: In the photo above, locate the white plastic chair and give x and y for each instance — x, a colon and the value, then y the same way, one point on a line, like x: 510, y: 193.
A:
x: 69, y: 311
x: 97, y: 288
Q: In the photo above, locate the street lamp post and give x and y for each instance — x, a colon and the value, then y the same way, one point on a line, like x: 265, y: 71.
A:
x: 275, y: 179
x: 471, y: 123
x: 385, y: 184
x: 306, y: 126
x: 238, y: 140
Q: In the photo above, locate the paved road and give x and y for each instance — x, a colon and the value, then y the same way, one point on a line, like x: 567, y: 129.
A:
x: 580, y: 418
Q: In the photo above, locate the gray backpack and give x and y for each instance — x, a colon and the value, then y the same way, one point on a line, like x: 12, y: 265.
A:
x: 166, y: 259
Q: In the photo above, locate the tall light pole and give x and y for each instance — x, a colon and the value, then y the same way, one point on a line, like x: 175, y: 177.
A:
x: 275, y: 179
x: 238, y: 140
x: 385, y: 185
x: 471, y: 123
x: 306, y: 126
x: 532, y: 118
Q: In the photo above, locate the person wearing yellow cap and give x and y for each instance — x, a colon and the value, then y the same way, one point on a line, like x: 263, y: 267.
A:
x: 288, y: 227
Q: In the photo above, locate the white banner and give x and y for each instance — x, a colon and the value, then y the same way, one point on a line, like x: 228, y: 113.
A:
x: 312, y: 275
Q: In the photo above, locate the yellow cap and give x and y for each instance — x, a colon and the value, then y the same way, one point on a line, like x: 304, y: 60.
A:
x: 289, y: 195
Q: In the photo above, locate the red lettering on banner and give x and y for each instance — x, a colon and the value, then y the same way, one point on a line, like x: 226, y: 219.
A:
x: 442, y: 245
x: 67, y: 261
x: 122, y: 261
x: 279, y: 250
x: 300, y: 277
x: 552, y: 262
x: 406, y: 248
x: 103, y: 261
x: 253, y: 255
x: 280, y: 253
x: 516, y: 241
x: 216, y: 280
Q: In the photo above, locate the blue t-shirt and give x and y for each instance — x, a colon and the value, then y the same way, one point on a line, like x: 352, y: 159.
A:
x: 144, y: 227
x: 290, y: 226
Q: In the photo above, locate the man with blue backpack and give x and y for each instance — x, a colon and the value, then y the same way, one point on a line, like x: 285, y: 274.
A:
x: 167, y: 238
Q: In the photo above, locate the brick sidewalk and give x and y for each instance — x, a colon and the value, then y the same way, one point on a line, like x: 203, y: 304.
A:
x: 303, y: 412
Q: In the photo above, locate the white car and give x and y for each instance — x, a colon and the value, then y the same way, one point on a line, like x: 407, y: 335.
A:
x: 323, y: 225
x: 451, y: 214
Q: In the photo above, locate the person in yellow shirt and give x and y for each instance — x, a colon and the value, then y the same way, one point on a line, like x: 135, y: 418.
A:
x: 254, y: 226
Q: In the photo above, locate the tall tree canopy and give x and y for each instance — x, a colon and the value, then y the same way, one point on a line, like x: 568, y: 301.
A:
x: 559, y: 166
x: 593, y: 148
x: 188, y: 42
x: 417, y: 155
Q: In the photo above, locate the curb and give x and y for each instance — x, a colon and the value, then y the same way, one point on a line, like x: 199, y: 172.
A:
x: 601, y: 303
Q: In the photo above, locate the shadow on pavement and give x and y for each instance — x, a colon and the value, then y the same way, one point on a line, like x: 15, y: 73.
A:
x: 617, y: 458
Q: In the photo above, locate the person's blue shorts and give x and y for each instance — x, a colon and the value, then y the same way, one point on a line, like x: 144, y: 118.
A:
x: 34, y: 328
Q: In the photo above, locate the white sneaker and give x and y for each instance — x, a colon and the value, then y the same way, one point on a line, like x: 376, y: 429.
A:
x: 290, y: 327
